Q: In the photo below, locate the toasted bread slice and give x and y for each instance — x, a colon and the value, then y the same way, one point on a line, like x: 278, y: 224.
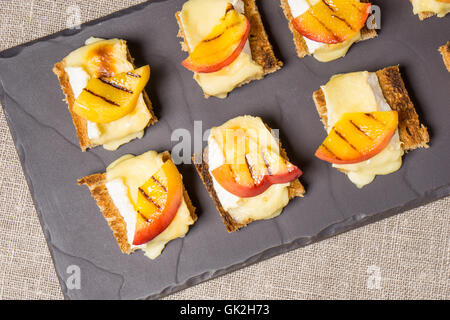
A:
x: 425, y: 14
x: 300, y: 44
x: 78, y: 121
x: 97, y: 186
x: 445, y: 51
x: 262, y: 51
x: 295, y: 189
x: 412, y: 133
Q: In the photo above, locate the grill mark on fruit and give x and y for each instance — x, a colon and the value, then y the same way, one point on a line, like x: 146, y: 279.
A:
x: 348, y: 142
x: 101, y: 97
x: 360, y: 130
x: 229, y: 8
x: 326, y: 148
x: 218, y: 36
x: 144, y: 217
x: 326, y: 28
x: 345, y: 21
x: 131, y: 74
x: 149, y: 199
x: 372, y: 117
x: 266, y: 163
x: 159, y: 183
x: 336, y: 16
x: 115, y: 85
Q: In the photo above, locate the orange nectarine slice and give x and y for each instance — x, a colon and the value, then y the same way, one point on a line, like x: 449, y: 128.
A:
x: 332, y: 21
x: 222, y: 46
x: 158, y: 202
x: 110, y: 98
x: 358, y: 136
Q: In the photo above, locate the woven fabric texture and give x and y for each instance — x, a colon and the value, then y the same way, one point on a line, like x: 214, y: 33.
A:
x: 403, y: 257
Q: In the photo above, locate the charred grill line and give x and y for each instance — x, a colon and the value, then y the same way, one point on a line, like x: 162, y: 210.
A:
x: 146, y: 196
x: 131, y: 74
x: 218, y: 36
x: 360, y: 130
x: 101, y: 97
x: 345, y: 21
x: 144, y: 217
x: 326, y: 148
x: 335, y: 15
x: 323, y: 25
x: 159, y: 183
x: 343, y: 138
x: 372, y: 117
x: 115, y: 85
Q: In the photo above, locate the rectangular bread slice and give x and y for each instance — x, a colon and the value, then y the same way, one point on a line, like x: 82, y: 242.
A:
x: 412, y: 133
x: 295, y: 189
x: 262, y: 51
x: 445, y: 51
x: 78, y: 121
x: 97, y: 186
x: 300, y: 44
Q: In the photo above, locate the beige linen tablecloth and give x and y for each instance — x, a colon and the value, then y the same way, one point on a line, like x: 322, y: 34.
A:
x: 406, y: 256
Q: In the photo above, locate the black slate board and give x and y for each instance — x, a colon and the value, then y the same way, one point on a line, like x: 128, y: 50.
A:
x: 77, y: 233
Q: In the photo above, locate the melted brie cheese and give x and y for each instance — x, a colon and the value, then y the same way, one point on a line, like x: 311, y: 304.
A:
x: 94, y: 60
x: 124, y: 177
x: 267, y: 205
x: 361, y: 92
x: 440, y: 8
x: 322, y: 52
x: 198, y: 18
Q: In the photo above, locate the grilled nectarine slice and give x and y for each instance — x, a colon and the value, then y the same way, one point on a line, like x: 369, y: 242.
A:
x: 358, y: 136
x: 250, y: 169
x: 158, y: 202
x: 222, y: 46
x: 332, y: 21
x: 110, y: 98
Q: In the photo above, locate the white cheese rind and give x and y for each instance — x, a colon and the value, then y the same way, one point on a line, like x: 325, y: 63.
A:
x: 78, y: 79
x: 119, y: 194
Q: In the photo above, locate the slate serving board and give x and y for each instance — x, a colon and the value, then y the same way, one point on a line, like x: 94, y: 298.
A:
x: 78, y: 235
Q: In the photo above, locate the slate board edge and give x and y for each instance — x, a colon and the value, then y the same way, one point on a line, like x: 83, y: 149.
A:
x: 330, y: 231
x: 11, y: 52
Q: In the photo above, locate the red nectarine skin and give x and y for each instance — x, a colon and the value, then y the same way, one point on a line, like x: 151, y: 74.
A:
x: 227, y: 180
x: 323, y: 154
x: 358, y: 136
